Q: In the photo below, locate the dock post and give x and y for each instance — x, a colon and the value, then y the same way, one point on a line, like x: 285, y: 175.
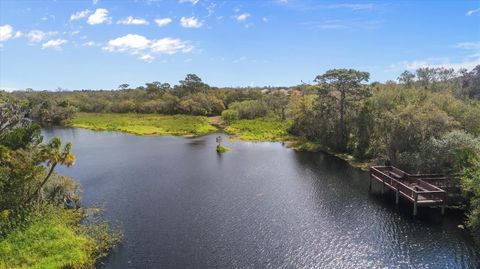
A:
x: 444, y: 204
x: 397, y: 195
x: 383, y: 186
x: 370, y: 183
x: 415, y: 204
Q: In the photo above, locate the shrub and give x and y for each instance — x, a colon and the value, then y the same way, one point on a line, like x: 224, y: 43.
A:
x: 250, y: 109
x: 230, y: 115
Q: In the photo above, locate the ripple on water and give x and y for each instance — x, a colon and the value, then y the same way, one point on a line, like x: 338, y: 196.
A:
x: 259, y: 206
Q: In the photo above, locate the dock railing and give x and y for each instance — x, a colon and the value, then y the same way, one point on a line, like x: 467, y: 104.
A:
x: 412, y: 187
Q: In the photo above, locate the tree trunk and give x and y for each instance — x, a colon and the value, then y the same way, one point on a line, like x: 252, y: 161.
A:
x: 43, y: 183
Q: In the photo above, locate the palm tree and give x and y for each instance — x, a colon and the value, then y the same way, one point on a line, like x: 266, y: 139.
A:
x: 53, y: 154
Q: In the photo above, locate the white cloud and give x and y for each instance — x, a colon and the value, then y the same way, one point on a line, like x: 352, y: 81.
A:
x: 133, y: 21
x: 35, y: 36
x: 473, y: 11
x: 163, y: 21
x: 190, y: 22
x: 169, y: 45
x: 193, y: 2
x: 99, y: 16
x: 242, y: 17
x: 352, y: 6
x: 469, y: 63
x: 89, y: 44
x: 94, y: 2
x: 140, y: 45
x: 332, y: 25
x: 265, y: 19
x: 147, y: 58
x: 6, y: 32
x: 241, y: 59
x: 18, y: 34
x: 47, y: 17
x: 468, y: 45
x: 128, y: 42
x: 80, y: 14
x: 54, y: 44
x: 211, y: 9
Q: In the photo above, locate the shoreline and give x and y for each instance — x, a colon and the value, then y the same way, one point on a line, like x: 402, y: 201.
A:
x: 208, y: 125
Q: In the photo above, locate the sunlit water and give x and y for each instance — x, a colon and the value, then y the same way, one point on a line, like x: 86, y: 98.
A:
x: 261, y: 205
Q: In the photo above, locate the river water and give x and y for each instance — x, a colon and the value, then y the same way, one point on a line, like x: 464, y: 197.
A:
x: 261, y: 205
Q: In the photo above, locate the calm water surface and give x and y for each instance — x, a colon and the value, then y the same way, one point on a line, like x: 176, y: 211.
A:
x: 260, y: 206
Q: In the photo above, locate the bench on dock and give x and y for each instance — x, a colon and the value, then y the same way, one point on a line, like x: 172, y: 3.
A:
x: 411, y: 187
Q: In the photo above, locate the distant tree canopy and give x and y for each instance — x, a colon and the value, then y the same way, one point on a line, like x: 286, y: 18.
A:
x: 190, y: 85
x: 343, y: 83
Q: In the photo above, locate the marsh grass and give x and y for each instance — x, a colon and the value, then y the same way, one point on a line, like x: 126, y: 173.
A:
x: 222, y: 149
x: 260, y: 129
x: 144, y: 124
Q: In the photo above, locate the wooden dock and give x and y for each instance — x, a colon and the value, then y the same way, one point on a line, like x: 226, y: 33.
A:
x: 414, y: 188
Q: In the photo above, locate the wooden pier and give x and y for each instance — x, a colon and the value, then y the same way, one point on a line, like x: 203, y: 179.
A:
x: 414, y: 188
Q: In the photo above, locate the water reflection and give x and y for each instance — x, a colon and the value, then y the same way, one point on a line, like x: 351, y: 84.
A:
x: 259, y: 206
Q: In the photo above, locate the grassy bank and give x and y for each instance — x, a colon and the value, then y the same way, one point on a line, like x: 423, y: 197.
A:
x: 50, y: 240
x: 261, y: 129
x: 144, y: 124
x: 54, y: 237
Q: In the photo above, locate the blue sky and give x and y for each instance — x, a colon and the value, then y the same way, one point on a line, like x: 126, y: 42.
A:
x: 101, y: 44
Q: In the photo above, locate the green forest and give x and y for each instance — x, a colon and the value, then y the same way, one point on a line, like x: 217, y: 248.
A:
x: 428, y: 121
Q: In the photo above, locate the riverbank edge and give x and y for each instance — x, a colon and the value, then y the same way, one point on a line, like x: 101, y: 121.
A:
x: 293, y: 142
x: 187, y: 126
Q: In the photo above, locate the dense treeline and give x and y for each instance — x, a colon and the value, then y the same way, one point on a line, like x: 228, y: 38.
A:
x: 428, y: 121
x: 190, y: 96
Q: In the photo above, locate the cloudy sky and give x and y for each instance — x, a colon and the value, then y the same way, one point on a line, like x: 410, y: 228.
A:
x: 101, y: 44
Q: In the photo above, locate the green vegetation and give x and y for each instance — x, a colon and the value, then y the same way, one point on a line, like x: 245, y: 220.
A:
x: 49, y: 241
x: 54, y: 238
x: 427, y: 122
x: 471, y: 187
x: 222, y: 149
x: 41, y: 223
x: 230, y: 115
x: 261, y: 129
x: 145, y: 124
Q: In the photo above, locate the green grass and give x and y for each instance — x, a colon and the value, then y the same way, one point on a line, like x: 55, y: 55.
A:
x: 222, y: 149
x: 49, y: 241
x: 305, y: 145
x: 144, y: 124
x: 261, y: 129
